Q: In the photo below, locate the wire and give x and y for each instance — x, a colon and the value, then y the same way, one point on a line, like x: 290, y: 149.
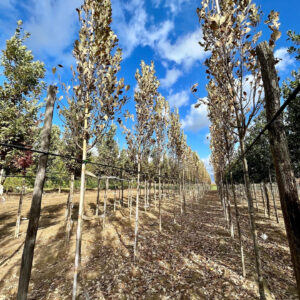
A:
x: 20, y: 147
x: 130, y: 171
x: 291, y: 97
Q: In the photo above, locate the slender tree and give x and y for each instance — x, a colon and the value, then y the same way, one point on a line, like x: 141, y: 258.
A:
x: 233, y: 64
x: 141, y: 140
x: 98, y: 91
x: 161, y: 122
x: 177, y: 145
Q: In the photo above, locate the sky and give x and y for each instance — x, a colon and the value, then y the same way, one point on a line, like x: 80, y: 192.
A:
x: 164, y: 31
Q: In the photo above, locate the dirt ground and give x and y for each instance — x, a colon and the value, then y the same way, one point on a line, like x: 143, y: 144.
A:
x: 192, y: 258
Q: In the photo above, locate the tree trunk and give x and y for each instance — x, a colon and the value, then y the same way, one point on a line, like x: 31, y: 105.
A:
x: 155, y: 205
x: 181, y: 195
x: 273, y: 197
x: 267, y: 199
x: 184, y: 192
x: 174, y: 204
x: 229, y: 211
x: 115, y: 198
x: 119, y: 188
x: 1, y: 175
x: 35, y: 210
x: 252, y: 223
x: 20, y: 209
x: 98, y: 197
x: 145, y: 195
x: 77, y: 263
x: 222, y: 197
x: 1, y: 186
x: 254, y: 194
x: 159, y: 199
x: 105, y: 201
x: 136, y: 214
x: 263, y: 199
x: 122, y: 192
x: 128, y: 189
x: 285, y: 178
x: 69, y: 208
x: 237, y: 217
x: 130, y: 193
x: 148, y: 193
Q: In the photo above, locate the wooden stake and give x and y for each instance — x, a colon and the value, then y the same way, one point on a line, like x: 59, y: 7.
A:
x: 285, y: 178
x: 35, y: 210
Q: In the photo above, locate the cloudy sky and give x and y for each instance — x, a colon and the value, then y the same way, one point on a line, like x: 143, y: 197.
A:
x: 165, y: 31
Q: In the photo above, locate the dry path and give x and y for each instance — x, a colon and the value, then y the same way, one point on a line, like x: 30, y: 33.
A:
x: 194, y: 258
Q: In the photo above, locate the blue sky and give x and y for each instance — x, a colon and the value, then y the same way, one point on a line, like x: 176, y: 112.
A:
x: 165, y: 31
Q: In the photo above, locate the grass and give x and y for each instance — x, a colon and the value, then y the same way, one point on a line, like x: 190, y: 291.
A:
x: 213, y: 187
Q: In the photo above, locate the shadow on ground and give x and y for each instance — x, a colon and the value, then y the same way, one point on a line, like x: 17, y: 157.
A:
x: 193, y: 257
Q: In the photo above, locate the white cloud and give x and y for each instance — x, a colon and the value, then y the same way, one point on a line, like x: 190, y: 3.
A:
x: 171, y: 77
x: 53, y: 26
x: 136, y: 88
x: 285, y: 59
x: 178, y: 99
x: 173, y: 5
x: 131, y: 23
x: 196, y: 118
x: 186, y: 50
x: 164, y: 64
x: 158, y: 33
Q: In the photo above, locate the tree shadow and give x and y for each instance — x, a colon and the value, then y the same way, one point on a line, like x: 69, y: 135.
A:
x: 193, y: 259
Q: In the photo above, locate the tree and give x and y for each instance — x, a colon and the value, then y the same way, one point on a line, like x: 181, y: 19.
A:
x: 289, y: 198
x: 56, y: 165
x: 292, y: 118
x: 259, y: 157
x: 161, y: 112
x: 108, y: 152
x: 233, y: 63
x: 295, y: 38
x: 35, y: 209
x: 98, y: 93
x: 222, y: 143
x: 18, y: 107
x: 177, y: 145
x: 140, y: 140
x: 72, y: 138
x: 19, y: 95
x: 292, y: 115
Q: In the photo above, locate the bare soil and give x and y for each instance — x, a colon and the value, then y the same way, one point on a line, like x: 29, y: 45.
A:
x: 192, y: 258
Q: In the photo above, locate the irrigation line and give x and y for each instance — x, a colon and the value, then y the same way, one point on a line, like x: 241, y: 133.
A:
x: 26, y: 176
x: 80, y: 161
x: 290, y: 98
